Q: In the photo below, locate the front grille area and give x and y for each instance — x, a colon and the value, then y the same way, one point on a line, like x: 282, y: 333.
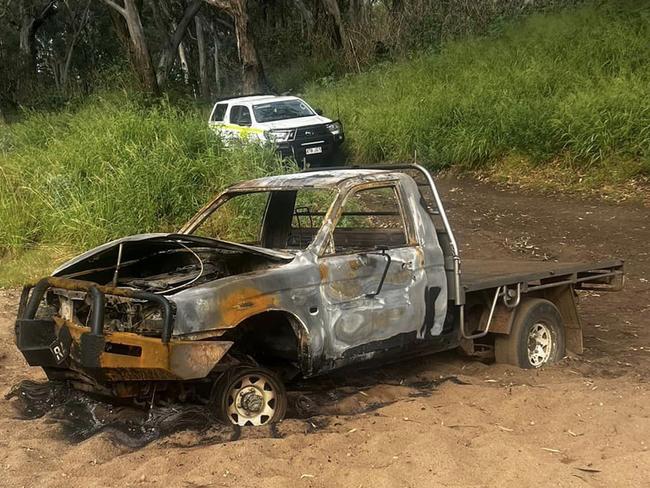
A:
x: 311, y: 131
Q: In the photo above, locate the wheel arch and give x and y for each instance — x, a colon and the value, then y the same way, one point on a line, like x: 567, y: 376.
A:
x: 285, y: 325
x: 564, y: 299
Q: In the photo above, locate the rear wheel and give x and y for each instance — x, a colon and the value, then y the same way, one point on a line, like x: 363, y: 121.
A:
x: 249, y: 396
x: 536, y: 337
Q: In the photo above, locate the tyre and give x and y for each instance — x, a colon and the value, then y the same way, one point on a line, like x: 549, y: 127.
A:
x: 536, y: 337
x: 249, y: 396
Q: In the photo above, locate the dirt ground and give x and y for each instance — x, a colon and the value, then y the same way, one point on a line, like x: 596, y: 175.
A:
x: 439, y: 421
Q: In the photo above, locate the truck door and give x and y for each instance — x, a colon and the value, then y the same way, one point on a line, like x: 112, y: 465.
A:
x: 217, y: 117
x: 370, y: 241
x: 239, y: 123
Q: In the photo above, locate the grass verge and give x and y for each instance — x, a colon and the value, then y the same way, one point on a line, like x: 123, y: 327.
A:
x: 113, y: 167
x: 570, y: 89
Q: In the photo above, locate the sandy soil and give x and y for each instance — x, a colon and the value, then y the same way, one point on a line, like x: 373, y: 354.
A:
x: 438, y: 421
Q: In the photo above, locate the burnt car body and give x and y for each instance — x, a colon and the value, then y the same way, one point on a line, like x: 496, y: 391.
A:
x: 374, y: 274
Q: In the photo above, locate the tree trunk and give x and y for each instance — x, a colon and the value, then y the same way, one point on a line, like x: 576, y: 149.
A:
x: 185, y: 67
x: 203, y: 58
x: 30, y: 23
x: 66, y: 67
x: 252, y: 73
x: 122, y: 32
x: 305, y: 14
x: 140, y: 49
x: 169, y: 52
x: 217, y: 74
x: 27, y: 38
x: 355, y: 8
x: 332, y: 9
x: 75, y: 37
x: 253, y: 79
x: 141, y: 58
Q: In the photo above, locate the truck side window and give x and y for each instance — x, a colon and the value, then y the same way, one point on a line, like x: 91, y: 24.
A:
x: 370, y: 218
x: 240, y: 115
x: 234, y: 114
x: 219, y: 112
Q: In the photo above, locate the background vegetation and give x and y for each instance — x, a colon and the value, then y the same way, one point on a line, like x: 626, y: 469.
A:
x: 63, y: 50
x: 573, y: 86
x: 112, y: 167
x: 518, y: 87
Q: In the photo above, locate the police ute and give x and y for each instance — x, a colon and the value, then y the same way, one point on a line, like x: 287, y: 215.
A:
x: 297, y: 130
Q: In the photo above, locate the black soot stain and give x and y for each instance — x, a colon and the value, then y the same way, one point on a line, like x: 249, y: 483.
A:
x: 81, y: 416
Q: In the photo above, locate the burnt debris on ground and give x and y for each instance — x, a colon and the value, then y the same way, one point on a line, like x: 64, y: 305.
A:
x: 81, y: 416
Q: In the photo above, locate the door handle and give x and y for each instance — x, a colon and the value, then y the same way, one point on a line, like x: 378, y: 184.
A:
x: 383, y: 253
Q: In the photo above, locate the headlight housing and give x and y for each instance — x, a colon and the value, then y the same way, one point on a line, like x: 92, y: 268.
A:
x: 280, y: 135
x: 335, y: 128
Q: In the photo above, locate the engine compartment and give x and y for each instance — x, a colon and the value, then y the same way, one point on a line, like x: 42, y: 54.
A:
x: 160, y: 265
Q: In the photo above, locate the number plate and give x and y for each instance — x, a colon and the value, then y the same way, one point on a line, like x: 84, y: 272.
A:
x: 59, y: 351
x: 314, y: 150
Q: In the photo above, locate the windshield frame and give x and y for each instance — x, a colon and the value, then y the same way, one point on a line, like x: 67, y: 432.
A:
x: 314, y: 246
x: 271, y: 102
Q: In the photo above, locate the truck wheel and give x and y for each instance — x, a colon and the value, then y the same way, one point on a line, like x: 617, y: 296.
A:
x: 249, y: 396
x: 536, y: 337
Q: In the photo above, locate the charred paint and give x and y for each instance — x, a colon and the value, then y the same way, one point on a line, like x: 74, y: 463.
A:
x: 331, y: 298
x: 242, y: 303
x: 126, y: 356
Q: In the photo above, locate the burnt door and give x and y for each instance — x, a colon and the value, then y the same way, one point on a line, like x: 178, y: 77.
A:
x: 374, y: 280
x: 348, y: 284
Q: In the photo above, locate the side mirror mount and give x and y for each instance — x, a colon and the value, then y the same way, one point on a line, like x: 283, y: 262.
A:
x: 319, y: 111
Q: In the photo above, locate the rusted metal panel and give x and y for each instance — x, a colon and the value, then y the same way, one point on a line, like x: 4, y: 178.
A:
x: 328, y: 294
x: 148, y: 358
x: 501, y: 319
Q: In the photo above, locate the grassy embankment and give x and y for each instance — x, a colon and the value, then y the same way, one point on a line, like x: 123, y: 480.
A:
x: 113, y: 167
x: 563, y: 98
x: 560, y: 100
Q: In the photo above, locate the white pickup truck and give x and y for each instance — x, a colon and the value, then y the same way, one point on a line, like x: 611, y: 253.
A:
x: 299, y: 131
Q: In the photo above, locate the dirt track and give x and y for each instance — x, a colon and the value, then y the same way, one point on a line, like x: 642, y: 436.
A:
x: 584, y: 422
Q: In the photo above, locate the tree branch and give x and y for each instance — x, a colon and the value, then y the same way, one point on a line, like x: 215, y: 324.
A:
x: 115, y: 6
x: 224, y: 5
x: 168, y: 54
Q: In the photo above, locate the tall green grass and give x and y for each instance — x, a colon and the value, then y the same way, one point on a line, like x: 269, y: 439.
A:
x: 571, y: 89
x: 573, y: 86
x: 113, y: 167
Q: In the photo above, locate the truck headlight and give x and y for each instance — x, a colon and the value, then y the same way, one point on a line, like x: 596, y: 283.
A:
x: 280, y: 135
x: 335, y: 128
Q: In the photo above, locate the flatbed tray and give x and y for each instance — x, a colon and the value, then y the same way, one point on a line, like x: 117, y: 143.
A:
x: 479, y: 274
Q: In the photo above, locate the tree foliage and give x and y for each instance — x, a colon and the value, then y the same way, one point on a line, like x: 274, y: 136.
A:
x: 52, y: 51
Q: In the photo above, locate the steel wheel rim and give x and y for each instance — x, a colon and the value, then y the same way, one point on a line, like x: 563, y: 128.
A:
x: 540, y: 344
x: 252, y: 400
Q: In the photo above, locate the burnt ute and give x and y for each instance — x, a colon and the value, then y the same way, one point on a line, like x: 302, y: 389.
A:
x: 294, y: 275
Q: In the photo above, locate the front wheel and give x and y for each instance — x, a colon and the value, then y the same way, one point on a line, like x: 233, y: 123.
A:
x: 249, y: 396
x: 536, y: 337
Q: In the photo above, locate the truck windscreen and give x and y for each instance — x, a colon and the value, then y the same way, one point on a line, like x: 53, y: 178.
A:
x: 274, y: 219
x: 286, y: 109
